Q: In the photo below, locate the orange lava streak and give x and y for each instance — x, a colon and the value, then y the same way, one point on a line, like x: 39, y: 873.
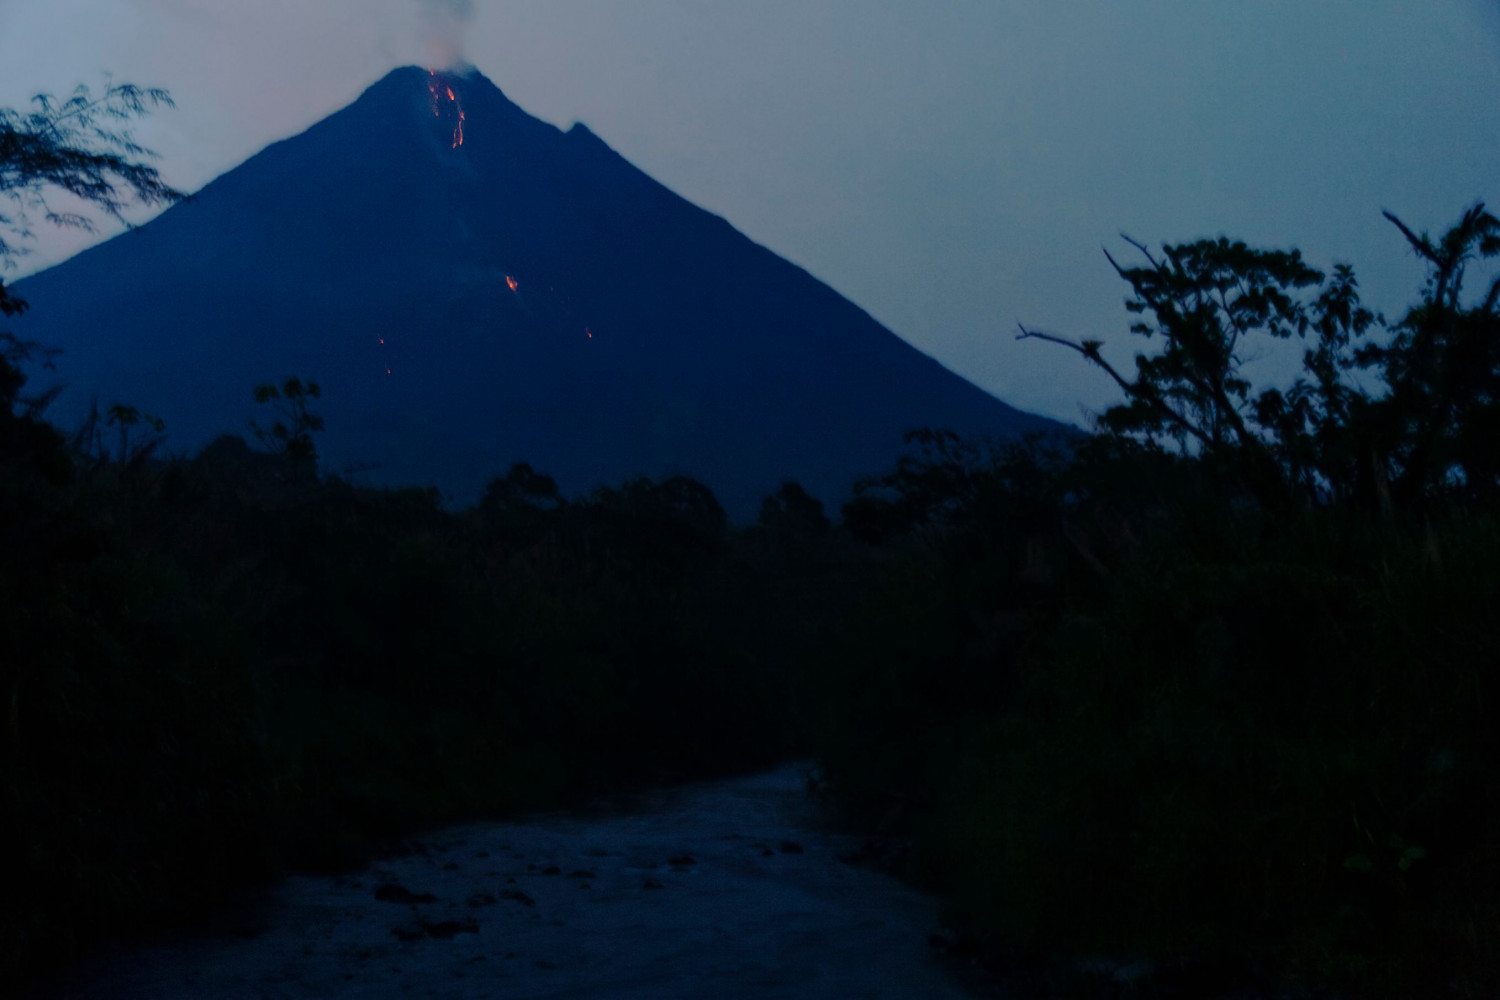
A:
x: 437, y: 89
x: 512, y: 282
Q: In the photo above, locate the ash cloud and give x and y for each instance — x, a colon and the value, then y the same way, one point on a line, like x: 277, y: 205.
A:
x: 444, y: 23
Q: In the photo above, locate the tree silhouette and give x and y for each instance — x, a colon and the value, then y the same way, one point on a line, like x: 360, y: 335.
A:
x: 1205, y: 301
x: 521, y: 490
x: 1206, y: 298
x: 290, y: 432
x: 1429, y: 438
x: 1313, y: 422
x: 791, y: 512
x: 1441, y: 419
x: 79, y: 146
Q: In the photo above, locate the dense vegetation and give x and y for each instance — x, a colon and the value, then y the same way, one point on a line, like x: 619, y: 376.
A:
x: 223, y: 665
x: 1208, y: 689
x: 1212, y: 688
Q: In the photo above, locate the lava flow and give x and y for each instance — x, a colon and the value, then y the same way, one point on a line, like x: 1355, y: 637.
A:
x: 439, y: 89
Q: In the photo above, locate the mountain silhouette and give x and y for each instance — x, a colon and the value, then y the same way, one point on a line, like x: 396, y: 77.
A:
x: 474, y: 287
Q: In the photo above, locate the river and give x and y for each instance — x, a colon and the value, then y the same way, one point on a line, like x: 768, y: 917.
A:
x: 722, y: 889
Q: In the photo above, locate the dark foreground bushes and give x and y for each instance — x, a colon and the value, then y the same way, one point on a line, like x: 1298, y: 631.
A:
x: 215, y: 668
x: 1207, y: 697
x: 1214, y: 690
x: 1274, y: 755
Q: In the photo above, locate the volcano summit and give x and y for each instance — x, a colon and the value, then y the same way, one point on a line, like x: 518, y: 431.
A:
x: 474, y: 287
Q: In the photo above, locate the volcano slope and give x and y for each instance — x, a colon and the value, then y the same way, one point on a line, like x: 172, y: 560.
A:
x: 474, y: 287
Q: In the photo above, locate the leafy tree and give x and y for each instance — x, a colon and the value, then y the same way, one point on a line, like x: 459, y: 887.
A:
x: 9, y: 304
x: 1429, y: 438
x: 520, y: 490
x: 126, y: 420
x: 792, y: 512
x: 80, y: 146
x: 935, y: 480
x: 1311, y: 422
x: 1440, y: 421
x: 26, y: 442
x: 1205, y: 301
x: 15, y: 352
x: 291, y: 430
x: 677, y: 501
x: 1206, y: 298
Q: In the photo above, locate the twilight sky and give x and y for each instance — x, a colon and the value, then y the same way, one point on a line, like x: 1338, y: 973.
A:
x: 951, y: 165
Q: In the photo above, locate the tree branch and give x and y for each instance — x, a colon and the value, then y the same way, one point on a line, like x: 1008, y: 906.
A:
x: 1445, y: 265
x: 1112, y: 263
x: 1421, y: 244
x: 1239, y: 330
x: 1145, y: 251
x: 1090, y: 350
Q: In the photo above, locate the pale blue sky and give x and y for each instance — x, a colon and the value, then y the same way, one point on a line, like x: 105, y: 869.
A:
x: 950, y: 165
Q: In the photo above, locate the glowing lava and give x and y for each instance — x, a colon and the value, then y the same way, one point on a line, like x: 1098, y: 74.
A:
x: 438, y: 89
x: 512, y: 282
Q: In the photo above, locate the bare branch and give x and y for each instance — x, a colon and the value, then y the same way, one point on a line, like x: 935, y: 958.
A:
x: 1113, y: 263
x: 1421, y: 244
x: 1145, y: 250
x: 1090, y: 350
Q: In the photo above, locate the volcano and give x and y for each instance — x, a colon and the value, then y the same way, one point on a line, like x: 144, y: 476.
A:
x: 473, y: 287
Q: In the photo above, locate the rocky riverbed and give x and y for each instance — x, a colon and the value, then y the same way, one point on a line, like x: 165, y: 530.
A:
x: 726, y: 889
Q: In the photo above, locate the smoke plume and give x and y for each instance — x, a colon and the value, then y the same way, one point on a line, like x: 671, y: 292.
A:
x: 443, y: 22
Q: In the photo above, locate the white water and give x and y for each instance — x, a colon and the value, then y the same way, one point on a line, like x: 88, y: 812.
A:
x: 748, y: 917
